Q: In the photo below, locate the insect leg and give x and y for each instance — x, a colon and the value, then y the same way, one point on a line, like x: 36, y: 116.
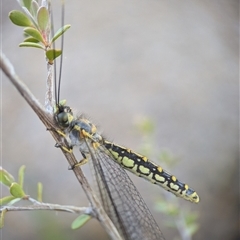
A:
x: 82, y: 161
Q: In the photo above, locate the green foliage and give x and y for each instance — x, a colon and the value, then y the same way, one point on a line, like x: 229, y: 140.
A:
x: 40, y: 191
x: 15, y: 188
x: 51, y: 54
x: 2, y: 216
x: 43, y: 18
x: 6, y: 200
x: 27, y: 4
x: 80, y: 221
x: 37, y: 22
x: 31, y: 39
x: 21, y: 173
x: 31, y: 44
x: 19, y: 19
x: 60, y: 32
x: 17, y: 191
x: 34, y: 33
x: 5, y: 177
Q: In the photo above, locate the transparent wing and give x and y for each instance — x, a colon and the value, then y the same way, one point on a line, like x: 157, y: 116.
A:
x: 120, y: 198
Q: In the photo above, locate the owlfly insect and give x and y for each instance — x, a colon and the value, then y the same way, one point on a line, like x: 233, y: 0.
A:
x: 120, y: 198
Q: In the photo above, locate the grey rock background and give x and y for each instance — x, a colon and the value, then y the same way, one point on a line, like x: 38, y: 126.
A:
x: 175, y: 62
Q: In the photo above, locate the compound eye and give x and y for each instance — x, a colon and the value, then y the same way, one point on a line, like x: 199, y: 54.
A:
x: 63, y: 119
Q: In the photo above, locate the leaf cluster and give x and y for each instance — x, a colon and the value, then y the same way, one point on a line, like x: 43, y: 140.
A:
x: 15, y: 189
x: 36, y: 20
x: 17, y: 194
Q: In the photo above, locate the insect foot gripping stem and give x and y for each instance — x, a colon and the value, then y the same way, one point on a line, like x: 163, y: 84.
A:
x: 66, y: 149
x: 81, y: 162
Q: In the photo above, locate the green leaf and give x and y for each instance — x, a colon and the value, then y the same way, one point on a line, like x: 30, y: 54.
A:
x: 5, y: 177
x: 51, y: 54
x: 80, y: 221
x: 33, y: 32
x: 43, y: 18
x: 15, y: 200
x: 6, y: 200
x: 40, y: 191
x: 27, y: 3
x: 60, y: 32
x: 20, y: 19
x: 31, y: 44
x: 17, y: 191
x: 2, y: 216
x: 31, y: 39
x: 29, y: 14
x: 34, y: 8
x: 21, y: 173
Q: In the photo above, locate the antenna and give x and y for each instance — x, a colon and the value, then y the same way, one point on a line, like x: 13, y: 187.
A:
x: 61, y: 59
x: 57, y: 86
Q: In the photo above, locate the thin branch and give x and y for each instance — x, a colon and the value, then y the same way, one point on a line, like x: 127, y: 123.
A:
x: 50, y: 124
x: 52, y: 207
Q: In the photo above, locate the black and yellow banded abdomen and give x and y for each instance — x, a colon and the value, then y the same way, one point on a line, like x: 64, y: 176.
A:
x: 141, y: 166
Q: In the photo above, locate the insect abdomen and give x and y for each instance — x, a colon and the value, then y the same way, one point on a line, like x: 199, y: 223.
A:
x: 142, y: 167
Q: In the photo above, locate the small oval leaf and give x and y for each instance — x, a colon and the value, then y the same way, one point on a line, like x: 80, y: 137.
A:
x: 51, y: 54
x: 17, y: 191
x: 43, y: 18
x: 80, y: 221
x: 27, y: 3
x: 21, y: 173
x: 33, y: 32
x: 2, y: 216
x: 31, y: 44
x: 60, y: 32
x: 5, y: 177
x: 19, y: 19
x: 34, y: 8
x: 31, y: 39
x: 6, y: 200
x: 30, y: 16
x: 40, y: 191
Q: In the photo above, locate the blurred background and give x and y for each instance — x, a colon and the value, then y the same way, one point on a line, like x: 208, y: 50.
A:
x: 171, y: 61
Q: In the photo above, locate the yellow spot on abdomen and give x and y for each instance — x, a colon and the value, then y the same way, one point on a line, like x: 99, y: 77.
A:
x: 159, y: 178
x: 174, y: 186
x: 127, y: 162
x: 144, y: 170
